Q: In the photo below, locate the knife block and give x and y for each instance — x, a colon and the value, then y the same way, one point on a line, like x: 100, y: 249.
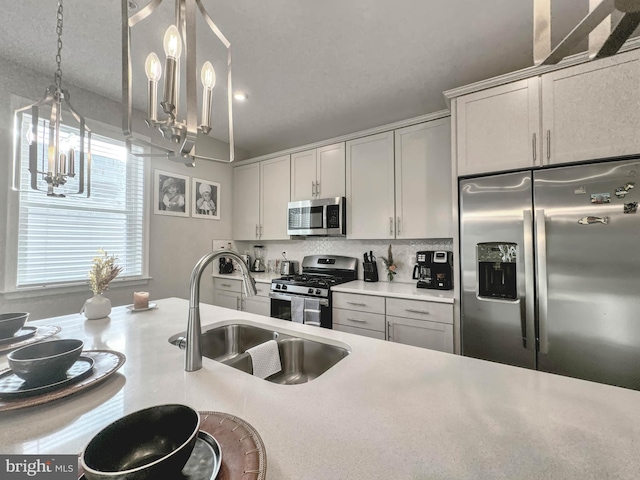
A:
x: 370, y: 271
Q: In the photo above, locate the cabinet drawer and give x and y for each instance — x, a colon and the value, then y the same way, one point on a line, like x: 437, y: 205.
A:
x: 360, y: 331
x: 360, y: 303
x: 370, y: 321
x: 436, y: 312
x: 227, y: 284
x: 263, y: 289
x: 421, y: 333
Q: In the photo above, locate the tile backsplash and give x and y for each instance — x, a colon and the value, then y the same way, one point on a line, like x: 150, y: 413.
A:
x: 404, y: 251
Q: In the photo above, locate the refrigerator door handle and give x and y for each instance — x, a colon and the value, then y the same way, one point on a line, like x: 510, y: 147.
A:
x: 529, y: 328
x: 541, y: 239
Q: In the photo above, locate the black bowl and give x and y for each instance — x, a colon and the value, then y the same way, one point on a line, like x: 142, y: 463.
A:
x: 148, y: 444
x: 10, y: 323
x: 46, y: 361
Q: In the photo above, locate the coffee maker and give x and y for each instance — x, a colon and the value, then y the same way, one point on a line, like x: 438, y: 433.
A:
x: 434, y: 269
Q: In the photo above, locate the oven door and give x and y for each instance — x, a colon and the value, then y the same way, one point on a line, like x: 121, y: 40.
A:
x: 281, y: 308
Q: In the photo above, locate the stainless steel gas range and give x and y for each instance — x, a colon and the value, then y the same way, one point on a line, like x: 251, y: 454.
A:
x: 306, y: 298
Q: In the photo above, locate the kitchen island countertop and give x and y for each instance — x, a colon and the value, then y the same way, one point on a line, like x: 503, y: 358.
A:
x: 386, y: 411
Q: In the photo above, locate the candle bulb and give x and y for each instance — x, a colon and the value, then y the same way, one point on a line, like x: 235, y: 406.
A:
x: 72, y: 162
x: 63, y: 164
x: 140, y: 300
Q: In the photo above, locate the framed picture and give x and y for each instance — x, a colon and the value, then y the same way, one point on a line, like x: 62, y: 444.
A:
x: 205, y: 201
x: 170, y: 194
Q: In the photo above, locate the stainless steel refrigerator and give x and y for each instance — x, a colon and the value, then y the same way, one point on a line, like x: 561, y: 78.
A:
x: 550, y: 270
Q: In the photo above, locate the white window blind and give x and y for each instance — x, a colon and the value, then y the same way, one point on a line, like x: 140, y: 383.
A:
x: 59, y: 237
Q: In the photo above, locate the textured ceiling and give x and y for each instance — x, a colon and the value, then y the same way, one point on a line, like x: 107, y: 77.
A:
x: 313, y: 69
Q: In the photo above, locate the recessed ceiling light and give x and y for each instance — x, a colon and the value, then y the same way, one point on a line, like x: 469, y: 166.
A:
x: 241, y: 96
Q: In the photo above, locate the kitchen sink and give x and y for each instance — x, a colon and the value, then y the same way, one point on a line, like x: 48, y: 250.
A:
x: 302, y: 359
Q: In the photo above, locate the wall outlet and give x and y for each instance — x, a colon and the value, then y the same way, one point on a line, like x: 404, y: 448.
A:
x: 413, y: 259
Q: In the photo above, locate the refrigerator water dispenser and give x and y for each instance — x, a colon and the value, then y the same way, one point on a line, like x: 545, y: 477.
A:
x: 497, y: 267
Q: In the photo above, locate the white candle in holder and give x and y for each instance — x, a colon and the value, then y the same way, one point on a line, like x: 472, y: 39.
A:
x: 140, y: 300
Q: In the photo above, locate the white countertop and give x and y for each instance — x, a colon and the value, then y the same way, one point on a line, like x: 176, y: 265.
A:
x: 387, y: 411
x: 395, y: 289
x: 259, y: 277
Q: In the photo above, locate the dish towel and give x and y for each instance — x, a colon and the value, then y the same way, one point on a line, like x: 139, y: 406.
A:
x: 312, y: 311
x: 297, y: 309
x: 265, y: 358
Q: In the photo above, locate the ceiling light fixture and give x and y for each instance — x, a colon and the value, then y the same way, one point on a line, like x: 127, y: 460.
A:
x: 241, y: 96
x: 61, y: 151
x: 178, y: 141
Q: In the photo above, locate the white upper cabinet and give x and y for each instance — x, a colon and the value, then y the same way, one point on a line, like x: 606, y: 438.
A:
x: 261, y: 195
x: 497, y: 129
x: 246, y: 202
x: 588, y: 111
x: 370, y: 187
x: 275, y: 178
x: 592, y: 110
x: 423, y: 180
x: 318, y: 173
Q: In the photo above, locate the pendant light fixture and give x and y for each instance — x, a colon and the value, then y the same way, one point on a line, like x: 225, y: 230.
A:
x: 66, y: 155
x: 177, y: 118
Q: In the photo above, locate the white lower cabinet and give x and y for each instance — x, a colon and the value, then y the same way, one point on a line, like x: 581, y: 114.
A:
x: 411, y: 322
x: 420, y: 333
x: 259, y: 304
x: 229, y: 293
x: 359, y: 314
x: 421, y: 324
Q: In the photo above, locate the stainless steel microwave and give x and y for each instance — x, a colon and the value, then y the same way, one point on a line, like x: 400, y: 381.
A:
x: 322, y: 216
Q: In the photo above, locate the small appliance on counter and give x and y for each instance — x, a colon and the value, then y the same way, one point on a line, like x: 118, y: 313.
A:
x: 225, y: 265
x: 370, y: 267
x: 258, y: 263
x: 288, y: 267
x: 434, y: 269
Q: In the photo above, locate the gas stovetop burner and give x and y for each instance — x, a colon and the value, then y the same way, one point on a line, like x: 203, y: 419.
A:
x: 311, y: 280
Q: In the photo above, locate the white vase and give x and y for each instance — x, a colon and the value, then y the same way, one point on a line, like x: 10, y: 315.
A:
x: 96, y: 307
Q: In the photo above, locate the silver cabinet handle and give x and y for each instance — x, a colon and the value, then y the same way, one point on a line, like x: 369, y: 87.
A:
x: 317, y: 189
x: 237, y: 303
x: 398, y: 226
x: 313, y: 189
x: 533, y: 142
x: 548, y: 144
x: 357, y: 320
x: 225, y: 285
x: 424, y: 312
x: 542, y: 280
x: 260, y: 230
x: 529, y: 332
x: 256, y: 230
x: 358, y: 304
x: 390, y: 330
x: 391, y: 226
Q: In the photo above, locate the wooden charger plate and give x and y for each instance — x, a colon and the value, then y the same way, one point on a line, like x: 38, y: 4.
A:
x: 106, y: 363
x: 42, y: 332
x: 243, y: 454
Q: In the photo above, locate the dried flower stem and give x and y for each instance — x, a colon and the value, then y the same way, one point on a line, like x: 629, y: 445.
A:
x: 389, y: 264
x: 104, y: 270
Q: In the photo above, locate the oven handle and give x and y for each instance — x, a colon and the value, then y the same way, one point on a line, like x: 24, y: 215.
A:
x: 287, y: 298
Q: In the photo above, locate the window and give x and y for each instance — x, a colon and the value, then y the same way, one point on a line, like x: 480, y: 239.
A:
x: 58, y: 237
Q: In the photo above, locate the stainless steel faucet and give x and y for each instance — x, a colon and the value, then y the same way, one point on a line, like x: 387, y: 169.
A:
x: 193, y: 358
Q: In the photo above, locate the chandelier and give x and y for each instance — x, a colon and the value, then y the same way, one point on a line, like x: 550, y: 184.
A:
x: 62, y: 161
x: 178, y: 133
